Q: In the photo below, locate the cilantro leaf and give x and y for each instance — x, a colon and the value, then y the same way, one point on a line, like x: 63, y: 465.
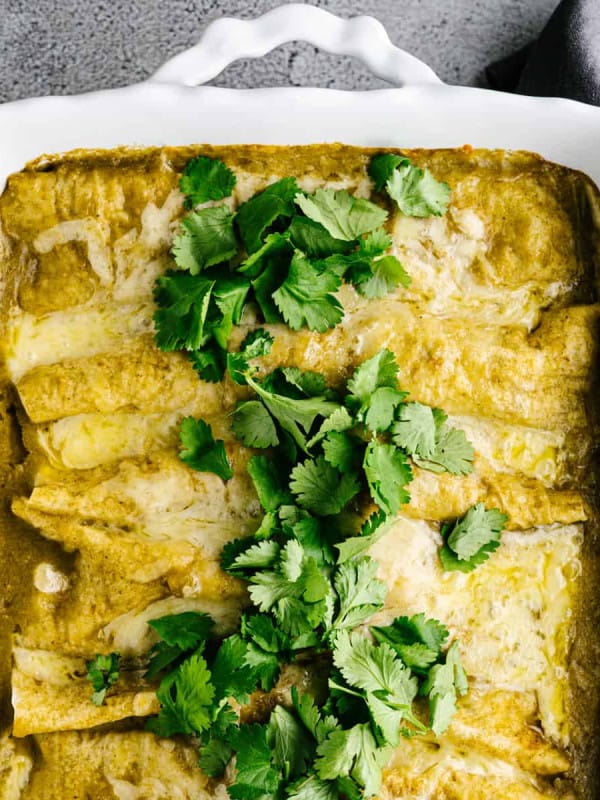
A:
x: 276, y: 251
x: 354, y: 753
x: 388, y: 686
x: 185, y: 630
x: 256, y: 556
x: 230, y: 674
x: 417, y: 640
x: 478, y: 528
x: 321, y: 488
x: 214, y: 757
x: 378, y: 413
x: 373, y: 273
x: 382, y: 166
x: 452, y: 563
x: 295, y: 590
x: 263, y: 632
x: 255, y: 775
x: 342, y: 215
x: 378, y: 371
x: 374, y: 668
x: 312, y: 533
x: 256, y: 344
x: 179, y: 634
x: 205, y: 238
x: 375, y: 244
x: 339, y: 421
x: 385, y: 274
x: 318, y: 724
x: 290, y: 743
x: 102, y: 673
x: 308, y: 383
x: 422, y: 431
x: 254, y: 426
x: 312, y: 238
x: 200, y: 450
x: 209, y: 362
x: 296, y: 416
x: 371, y: 532
x: 186, y: 697
x: 232, y: 549
x: 265, y: 666
x: 387, y: 472
x: 312, y: 788
x: 162, y: 657
x: 417, y: 193
x: 205, y: 179
x: 180, y: 319
x: 444, y: 682
x: 269, y: 477
x: 453, y: 452
x: 257, y: 215
x: 359, y: 592
x: 230, y: 296
x: 415, y: 430
x: 342, y: 450
x: 306, y: 296
x: 267, y: 268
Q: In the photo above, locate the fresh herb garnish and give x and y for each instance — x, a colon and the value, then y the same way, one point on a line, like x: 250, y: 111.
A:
x: 102, y: 673
x: 200, y: 450
x: 415, y: 191
x: 471, y: 540
x: 206, y: 238
x: 311, y: 584
x: 422, y: 431
x: 343, y: 216
x: 306, y: 298
x: 205, y: 179
x: 284, y: 250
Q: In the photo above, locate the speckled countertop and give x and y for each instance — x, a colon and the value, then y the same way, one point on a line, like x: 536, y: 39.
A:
x: 66, y: 46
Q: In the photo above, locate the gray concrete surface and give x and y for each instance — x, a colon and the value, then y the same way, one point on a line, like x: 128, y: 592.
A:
x: 67, y: 46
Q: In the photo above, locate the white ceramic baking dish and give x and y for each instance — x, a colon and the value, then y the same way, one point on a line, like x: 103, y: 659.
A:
x: 172, y: 107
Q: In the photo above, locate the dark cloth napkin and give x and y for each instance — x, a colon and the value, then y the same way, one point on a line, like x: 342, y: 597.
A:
x: 563, y: 62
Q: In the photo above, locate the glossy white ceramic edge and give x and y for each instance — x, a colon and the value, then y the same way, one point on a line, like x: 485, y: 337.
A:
x: 422, y: 113
x: 228, y: 39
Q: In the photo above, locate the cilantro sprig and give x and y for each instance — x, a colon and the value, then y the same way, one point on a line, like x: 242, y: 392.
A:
x: 200, y: 451
x: 102, y: 673
x: 471, y: 540
x: 283, y: 250
x: 311, y: 584
x: 205, y: 179
x: 363, y: 439
x: 415, y: 191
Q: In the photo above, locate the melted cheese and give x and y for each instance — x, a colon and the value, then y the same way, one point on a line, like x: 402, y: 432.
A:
x: 48, y: 580
x: 61, y: 335
x: 446, y: 256
x: 88, y: 230
x: 89, y: 440
x: 512, y: 615
x: 16, y: 763
x: 47, y: 667
x: 531, y: 452
x: 131, y: 764
x: 429, y: 761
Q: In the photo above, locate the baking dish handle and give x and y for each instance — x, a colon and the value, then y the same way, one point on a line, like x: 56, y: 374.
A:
x: 228, y: 39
